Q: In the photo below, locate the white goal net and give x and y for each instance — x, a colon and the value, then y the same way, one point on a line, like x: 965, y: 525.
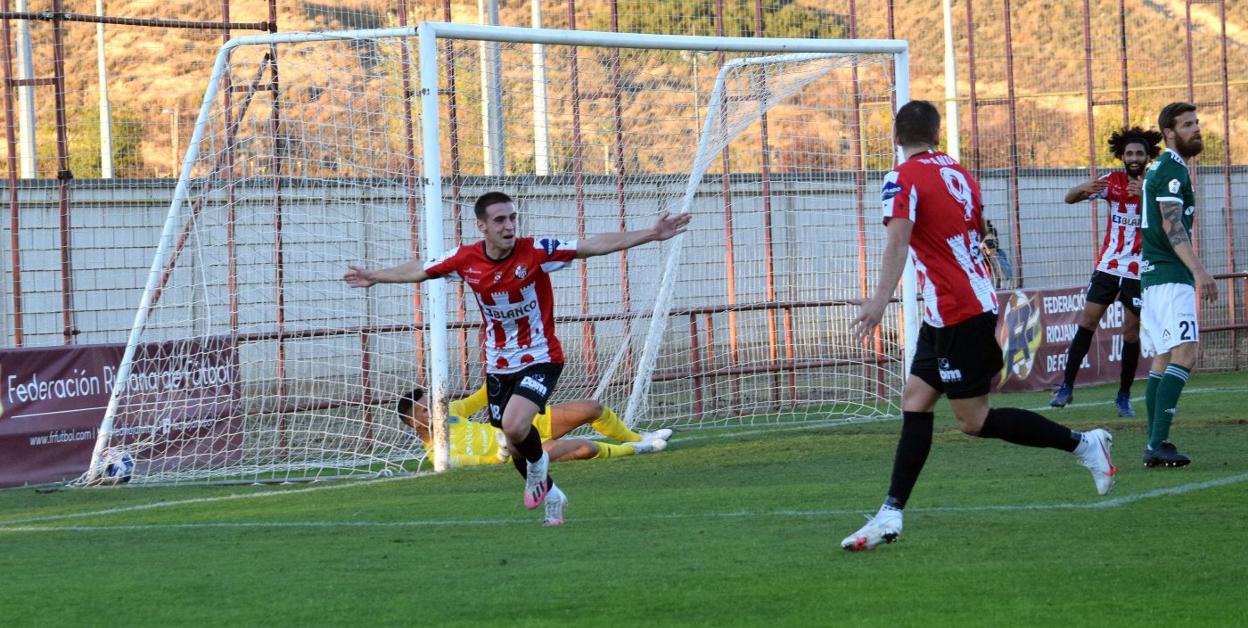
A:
x: 251, y: 360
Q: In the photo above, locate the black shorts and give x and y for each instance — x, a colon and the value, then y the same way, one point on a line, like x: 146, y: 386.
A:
x: 535, y: 383
x: 1104, y: 289
x: 959, y: 360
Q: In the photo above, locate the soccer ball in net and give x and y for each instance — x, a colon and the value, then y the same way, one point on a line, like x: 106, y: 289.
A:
x: 118, y: 466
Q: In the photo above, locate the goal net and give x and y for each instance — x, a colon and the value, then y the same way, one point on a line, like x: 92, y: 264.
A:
x: 251, y: 360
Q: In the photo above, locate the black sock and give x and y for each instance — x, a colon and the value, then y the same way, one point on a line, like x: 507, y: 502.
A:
x: 531, y: 449
x: 1023, y: 427
x: 1074, y: 356
x: 912, y: 449
x: 531, y: 446
x: 1130, y: 361
x: 521, y: 465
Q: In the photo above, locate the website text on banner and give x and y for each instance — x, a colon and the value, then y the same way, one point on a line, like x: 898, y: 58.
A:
x: 52, y: 400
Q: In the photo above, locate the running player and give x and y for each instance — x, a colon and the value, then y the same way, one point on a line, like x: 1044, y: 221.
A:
x: 510, y: 277
x: 934, y: 213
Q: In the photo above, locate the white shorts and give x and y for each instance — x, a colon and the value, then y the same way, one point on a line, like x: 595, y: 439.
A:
x: 1168, y: 317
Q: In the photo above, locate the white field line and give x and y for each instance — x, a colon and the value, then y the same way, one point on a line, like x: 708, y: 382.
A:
x: 739, y: 514
x: 682, y: 437
x: 9, y: 525
x: 209, y: 500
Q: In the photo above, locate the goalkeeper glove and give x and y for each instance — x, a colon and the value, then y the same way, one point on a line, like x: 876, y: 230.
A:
x: 504, y: 454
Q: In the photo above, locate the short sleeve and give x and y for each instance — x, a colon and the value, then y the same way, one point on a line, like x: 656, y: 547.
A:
x: 554, y: 254
x: 471, y: 404
x: 448, y: 265
x: 1167, y: 185
x: 899, y: 197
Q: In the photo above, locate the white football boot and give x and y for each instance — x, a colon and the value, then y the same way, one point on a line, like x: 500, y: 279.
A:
x: 556, y: 502
x: 648, y: 446
x: 535, y: 482
x: 661, y: 434
x: 1093, y: 453
x: 884, y: 527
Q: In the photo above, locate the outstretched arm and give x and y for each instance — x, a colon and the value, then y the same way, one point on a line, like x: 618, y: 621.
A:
x: 1084, y: 191
x: 408, y: 272
x: 891, y: 267
x: 666, y: 227
x: 1171, y: 221
x: 471, y: 404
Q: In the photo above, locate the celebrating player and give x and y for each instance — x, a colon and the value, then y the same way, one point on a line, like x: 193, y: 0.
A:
x: 474, y: 443
x: 509, y: 276
x: 933, y: 210
x: 1117, y: 274
x: 1171, y: 271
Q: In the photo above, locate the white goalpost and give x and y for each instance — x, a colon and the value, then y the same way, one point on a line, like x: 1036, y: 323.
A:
x: 250, y: 360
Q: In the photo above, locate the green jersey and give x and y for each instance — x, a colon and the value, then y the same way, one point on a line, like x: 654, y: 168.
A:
x: 1168, y: 180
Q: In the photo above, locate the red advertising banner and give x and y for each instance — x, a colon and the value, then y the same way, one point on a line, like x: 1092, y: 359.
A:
x: 1035, y: 328
x: 179, y: 410
x: 52, y: 400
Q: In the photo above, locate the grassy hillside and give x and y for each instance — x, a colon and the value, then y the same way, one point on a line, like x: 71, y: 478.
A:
x: 156, y: 76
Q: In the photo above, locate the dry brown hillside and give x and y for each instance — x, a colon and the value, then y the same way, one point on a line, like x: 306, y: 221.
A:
x: 157, y: 75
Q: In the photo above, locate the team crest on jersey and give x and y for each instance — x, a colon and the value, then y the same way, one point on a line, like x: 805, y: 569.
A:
x: 498, y: 277
x: 521, y: 272
x: 1174, y: 186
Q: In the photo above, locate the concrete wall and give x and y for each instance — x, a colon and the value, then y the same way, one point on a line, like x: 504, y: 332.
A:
x: 328, y: 224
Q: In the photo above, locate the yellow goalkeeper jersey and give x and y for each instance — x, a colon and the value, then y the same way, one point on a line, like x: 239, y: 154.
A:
x: 474, y: 443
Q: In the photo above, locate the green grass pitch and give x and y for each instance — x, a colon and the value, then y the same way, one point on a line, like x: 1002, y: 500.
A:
x: 724, y: 528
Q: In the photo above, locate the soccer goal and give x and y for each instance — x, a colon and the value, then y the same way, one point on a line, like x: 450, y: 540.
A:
x: 250, y: 359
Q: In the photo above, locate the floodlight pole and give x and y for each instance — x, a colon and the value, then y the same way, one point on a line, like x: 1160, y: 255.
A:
x: 541, y: 133
x: 491, y: 95
x: 953, y: 143
x: 106, y: 116
x: 25, y: 97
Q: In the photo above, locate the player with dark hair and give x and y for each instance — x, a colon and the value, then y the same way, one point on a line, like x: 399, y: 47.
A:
x: 473, y: 443
x: 1171, y: 271
x: 933, y: 212
x: 1117, y: 273
x: 509, y: 275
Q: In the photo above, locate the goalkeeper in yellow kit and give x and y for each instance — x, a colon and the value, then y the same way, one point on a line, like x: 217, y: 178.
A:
x: 474, y: 443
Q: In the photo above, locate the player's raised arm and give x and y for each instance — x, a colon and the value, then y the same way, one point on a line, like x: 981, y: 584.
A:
x: 666, y: 227
x: 412, y: 271
x: 1086, y: 190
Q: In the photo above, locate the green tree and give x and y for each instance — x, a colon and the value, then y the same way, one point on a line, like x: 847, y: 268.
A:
x: 84, y: 144
x: 782, y: 18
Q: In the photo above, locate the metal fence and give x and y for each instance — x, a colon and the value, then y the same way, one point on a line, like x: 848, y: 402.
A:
x: 1034, y: 88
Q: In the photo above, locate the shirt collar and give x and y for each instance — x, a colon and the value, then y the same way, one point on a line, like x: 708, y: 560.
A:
x: 1174, y: 154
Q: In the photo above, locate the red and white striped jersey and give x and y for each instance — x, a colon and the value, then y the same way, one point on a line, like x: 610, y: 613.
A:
x: 514, y: 294
x: 1120, y: 252
x: 942, y: 200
